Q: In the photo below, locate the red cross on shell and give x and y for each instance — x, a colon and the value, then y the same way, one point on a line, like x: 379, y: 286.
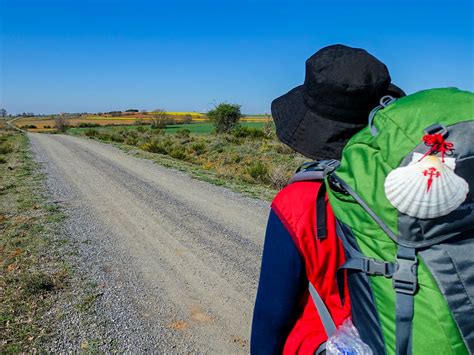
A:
x: 432, y: 173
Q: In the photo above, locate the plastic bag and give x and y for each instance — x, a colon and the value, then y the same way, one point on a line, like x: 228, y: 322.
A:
x: 346, y: 341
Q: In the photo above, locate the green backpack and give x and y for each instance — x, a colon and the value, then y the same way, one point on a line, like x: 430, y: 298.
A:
x: 411, y: 280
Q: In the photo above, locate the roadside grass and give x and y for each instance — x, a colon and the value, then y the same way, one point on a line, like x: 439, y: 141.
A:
x: 249, y: 159
x: 31, y: 273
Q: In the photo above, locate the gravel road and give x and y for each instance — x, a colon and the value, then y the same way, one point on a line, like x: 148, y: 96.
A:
x: 176, y: 260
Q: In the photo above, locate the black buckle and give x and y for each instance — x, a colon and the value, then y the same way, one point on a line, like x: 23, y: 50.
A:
x: 436, y: 128
x: 405, y: 277
x: 376, y: 267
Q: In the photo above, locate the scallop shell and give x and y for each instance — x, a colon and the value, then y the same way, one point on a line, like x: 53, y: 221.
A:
x: 426, y: 189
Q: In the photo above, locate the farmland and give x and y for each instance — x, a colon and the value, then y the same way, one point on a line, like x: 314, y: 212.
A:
x: 47, y: 123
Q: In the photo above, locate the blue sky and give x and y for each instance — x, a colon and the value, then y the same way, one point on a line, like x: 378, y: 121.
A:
x: 180, y: 55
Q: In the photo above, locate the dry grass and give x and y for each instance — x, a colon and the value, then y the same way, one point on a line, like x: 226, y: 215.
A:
x: 31, y: 274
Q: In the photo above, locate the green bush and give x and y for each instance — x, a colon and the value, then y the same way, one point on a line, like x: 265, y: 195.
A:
x: 178, y: 153
x: 118, y: 138
x: 130, y: 140
x: 225, y: 117
x: 141, y: 129
x: 258, y: 171
x: 182, y: 133
x: 38, y: 282
x: 3, y: 160
x: 198, y: 148
x: 248, y: 132
x: 154, y: 147
x: 6, y: 148
x: 86, y: 125
x: 92, y: 133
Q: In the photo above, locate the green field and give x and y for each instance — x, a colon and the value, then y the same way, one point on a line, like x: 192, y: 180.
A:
x: 198, y: 128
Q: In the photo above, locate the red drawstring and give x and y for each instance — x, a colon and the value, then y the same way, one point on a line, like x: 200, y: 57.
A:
x: 438, y: 145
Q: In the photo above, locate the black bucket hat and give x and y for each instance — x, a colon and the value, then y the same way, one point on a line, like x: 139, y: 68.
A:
x: 341, y: 87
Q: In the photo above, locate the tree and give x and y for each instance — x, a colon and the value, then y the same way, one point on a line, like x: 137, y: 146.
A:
x: 159, y: 118
x: 3, y: 112
x: 225, y: 117
x: 60, y: 122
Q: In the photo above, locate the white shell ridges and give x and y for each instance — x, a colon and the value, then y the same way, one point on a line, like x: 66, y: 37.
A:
x: 407, y: 187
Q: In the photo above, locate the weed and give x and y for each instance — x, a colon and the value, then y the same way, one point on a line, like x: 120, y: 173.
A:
x: 85, y: 125
x: 258, y: 171
x: 88, y: 302
x: 179, y: 153
x: 198, y: 148
x: 248, y: 132
x: 182, y: 133
x: 154, y: 147
x: 6, y: 148
x: 131, y: 140
x: 38, y: 282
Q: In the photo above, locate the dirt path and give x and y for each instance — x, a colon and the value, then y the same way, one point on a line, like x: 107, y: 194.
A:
x: 177, y: 259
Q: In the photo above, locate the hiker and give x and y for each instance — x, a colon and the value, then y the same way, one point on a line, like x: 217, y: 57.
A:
x: 384, y: 237
x: 316, y: 119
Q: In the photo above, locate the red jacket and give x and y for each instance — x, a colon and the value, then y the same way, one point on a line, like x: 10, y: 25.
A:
x: 285, y: 318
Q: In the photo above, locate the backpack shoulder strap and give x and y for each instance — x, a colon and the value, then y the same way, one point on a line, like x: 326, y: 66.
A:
x: 316, y: 170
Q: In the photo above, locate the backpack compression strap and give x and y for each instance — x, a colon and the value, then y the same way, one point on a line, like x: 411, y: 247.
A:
x: 324, y: 315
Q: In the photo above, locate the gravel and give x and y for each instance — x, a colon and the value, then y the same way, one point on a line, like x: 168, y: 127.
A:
x: 163, y: 263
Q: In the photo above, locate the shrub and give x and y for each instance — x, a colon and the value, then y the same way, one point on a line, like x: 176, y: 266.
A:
x: 178, y: 153
x: 183, y: 133
x: 187, y: 118
x: 160, y: 119
x: 37, y: 282
x: 158, y: 132
x: 117, y: 138
x: 6, y: 148
x: 141, y: 129
x: 61, y: 123
x: 46, y: 126
x: 154, y: 147
x: 283, y: 149
x: 258, y: 171
x: 140, y: 122
x: 86, y: 125
x: 131, y: 140
x: 3, y: 160
x: 225, y: 117
x: 248, y: 132
x: 198, y: 148
x: 92, y: 133
x: 28, y: 126
x: 269, y: 129
x: 279, y: 176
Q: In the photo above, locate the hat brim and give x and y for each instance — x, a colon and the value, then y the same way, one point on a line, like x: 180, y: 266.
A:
x: 395, y: 91
x: 308, y: 132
